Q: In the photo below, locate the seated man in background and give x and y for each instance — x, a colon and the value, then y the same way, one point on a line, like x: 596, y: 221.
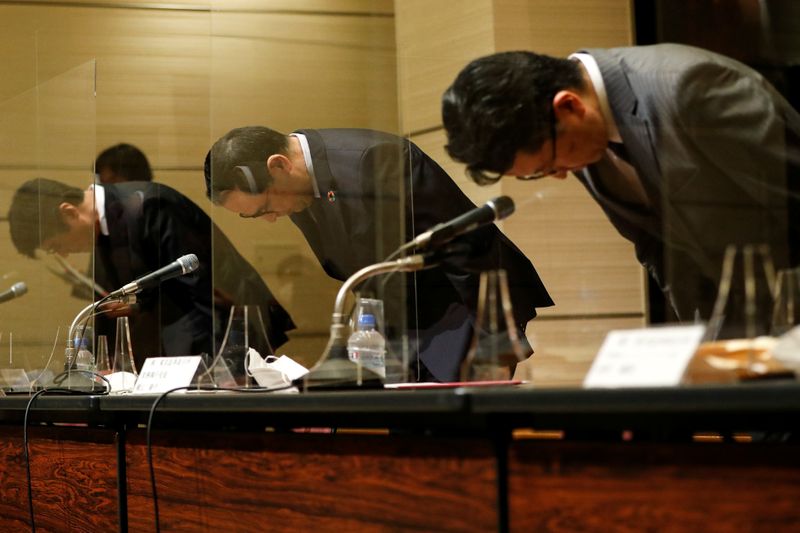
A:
x: 354, y: 194
x: 135, y: 228
x: 122, y: 162
x: 116, y: 164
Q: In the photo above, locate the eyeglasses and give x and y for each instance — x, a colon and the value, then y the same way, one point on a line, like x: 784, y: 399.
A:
x: 263, y: 210
x: 482, y: 177
x: 544, y: 173
x: 258, y: 214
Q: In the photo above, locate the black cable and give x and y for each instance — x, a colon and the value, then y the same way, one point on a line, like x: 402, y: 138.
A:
x: 150, y: 452
x: 26, y: 456
x: 59, y: 379
x: 25, y: 451
x: 148, y: 444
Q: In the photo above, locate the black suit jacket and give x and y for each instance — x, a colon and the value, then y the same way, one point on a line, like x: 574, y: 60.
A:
x: 150, y: 225
x: 377, y: 191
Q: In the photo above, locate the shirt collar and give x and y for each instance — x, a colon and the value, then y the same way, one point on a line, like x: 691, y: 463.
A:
x: 596, y: 78
x: 309, y: 163
x: 100, y: 207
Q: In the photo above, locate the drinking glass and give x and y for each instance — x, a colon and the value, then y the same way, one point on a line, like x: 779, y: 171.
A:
x: 786, y: 313
x: 123, y: 350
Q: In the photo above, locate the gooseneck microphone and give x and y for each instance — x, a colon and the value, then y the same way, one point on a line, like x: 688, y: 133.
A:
x: 495, y: 209
x: 16, y: 290
x: 182, y: 265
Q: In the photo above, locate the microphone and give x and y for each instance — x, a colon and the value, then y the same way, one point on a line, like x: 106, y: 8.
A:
x: 182, y: 265
x: 16, y: 290
x: 495, y: 209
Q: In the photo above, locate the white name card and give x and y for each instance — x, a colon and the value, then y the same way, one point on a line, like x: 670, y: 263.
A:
x: 651, y: 357
x: 160, y: 374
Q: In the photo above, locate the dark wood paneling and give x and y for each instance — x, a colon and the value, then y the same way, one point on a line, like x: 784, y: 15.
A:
x: 292, y: 482
x: 74, y: 473
x: 654, y: 487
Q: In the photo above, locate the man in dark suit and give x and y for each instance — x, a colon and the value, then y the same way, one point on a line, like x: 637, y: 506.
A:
x: 686, y: 151
x: 357, y: 195
x: 135, y: 228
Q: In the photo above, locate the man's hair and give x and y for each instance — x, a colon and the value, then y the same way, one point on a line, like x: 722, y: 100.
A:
x: 238, y: 160
x: 500, y: 104
x: 126, y: 161
x: 34, y: 215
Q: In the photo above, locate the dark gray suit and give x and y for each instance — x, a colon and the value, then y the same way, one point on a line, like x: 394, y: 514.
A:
x: 715, y: 147
x: 378, y: 190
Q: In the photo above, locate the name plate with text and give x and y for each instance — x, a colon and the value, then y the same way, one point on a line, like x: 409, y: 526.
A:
x: 650, y: 357
x: 160, y: 374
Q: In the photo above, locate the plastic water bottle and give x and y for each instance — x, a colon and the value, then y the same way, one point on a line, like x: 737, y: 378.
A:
x: 84, y: 360
x: 367, y: 346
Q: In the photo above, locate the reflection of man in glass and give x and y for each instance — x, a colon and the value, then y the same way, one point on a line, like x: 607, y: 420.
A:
x: 354, y: 194
x: 686, y: 151
x: 135, y: 228
x: 122, y: 162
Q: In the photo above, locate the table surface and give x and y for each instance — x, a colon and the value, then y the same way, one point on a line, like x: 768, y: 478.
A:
x: 745, y: 407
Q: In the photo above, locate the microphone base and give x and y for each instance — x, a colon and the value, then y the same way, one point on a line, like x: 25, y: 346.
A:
x: 338, y: 372
x: 79, y: 382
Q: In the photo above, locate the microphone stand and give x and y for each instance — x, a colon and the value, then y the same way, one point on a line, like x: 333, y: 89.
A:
x: 335, y: 370
x: 79, y: 380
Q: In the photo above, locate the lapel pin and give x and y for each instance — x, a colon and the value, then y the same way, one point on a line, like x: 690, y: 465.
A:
x: 331, y: 196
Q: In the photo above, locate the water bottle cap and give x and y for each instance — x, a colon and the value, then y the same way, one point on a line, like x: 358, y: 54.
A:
x: 366, y: 319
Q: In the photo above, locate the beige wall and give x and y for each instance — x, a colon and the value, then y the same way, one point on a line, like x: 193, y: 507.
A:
x: 170, y: 78
x: 590, y: 271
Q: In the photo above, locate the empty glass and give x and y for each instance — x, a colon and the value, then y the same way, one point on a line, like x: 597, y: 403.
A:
x: 496, y: 348
x: 745, y: 300
x: 245, y: 330
x: 123, y: 350
x: 101, y: 355
x: 786, y: 313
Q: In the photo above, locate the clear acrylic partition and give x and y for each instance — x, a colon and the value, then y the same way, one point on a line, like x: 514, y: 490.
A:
x: 47, y: 131
x: 749, y: 193
x: 172, y: 78
x: 315, y: 65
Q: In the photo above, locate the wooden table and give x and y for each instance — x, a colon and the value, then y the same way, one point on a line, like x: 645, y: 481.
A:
x: 453, y: 460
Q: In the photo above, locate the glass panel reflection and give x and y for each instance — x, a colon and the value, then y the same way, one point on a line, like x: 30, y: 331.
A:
x: 48, y: 130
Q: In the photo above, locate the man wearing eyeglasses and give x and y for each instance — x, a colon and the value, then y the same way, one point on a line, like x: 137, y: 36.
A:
x: 353, y: 193
x: 685, y: 150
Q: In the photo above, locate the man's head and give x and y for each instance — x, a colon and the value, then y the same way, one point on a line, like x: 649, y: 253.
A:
x: 122, y: 162
x: 53, y: 216
x: 523, y: 114
x: 258, y: 173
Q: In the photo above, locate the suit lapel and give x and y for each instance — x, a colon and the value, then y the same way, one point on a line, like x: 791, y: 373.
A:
x: 323, y: 222
x: 633, y: 124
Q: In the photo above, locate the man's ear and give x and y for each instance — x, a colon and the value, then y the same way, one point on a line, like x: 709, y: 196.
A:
x: 568, y: 102
x: 278, y: 162
x: 69, y: 213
